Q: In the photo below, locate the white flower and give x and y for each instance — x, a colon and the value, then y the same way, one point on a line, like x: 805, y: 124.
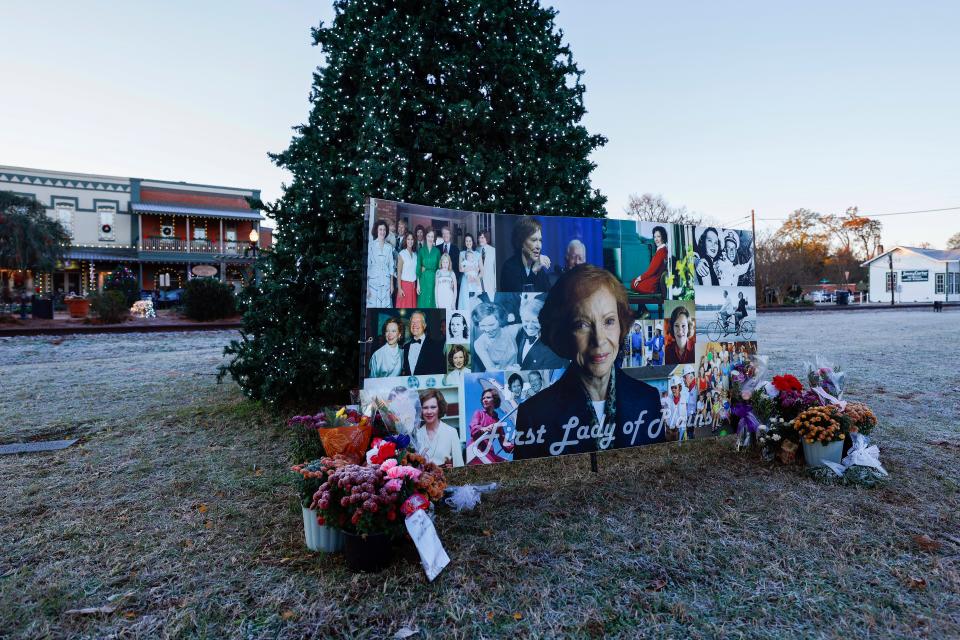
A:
x: 776, y: 437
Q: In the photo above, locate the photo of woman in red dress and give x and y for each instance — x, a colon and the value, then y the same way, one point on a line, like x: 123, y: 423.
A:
x: 649, y: 280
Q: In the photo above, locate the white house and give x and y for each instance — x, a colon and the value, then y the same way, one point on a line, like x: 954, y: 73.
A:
x: 917, y: 275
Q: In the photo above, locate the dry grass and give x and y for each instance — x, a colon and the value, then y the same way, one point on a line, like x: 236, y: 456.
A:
x: 179, y: 503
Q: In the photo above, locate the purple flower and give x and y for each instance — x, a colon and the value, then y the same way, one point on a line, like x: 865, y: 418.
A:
x: 401, y: 440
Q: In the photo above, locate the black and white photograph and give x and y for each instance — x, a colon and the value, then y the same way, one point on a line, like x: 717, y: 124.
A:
x: 724, y: 257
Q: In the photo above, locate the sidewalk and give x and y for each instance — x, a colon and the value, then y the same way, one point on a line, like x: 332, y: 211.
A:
x: 872, y: 306
x: 63, y: 324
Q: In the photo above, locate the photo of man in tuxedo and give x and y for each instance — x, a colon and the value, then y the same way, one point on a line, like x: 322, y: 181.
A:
x: 532, y: 353
x: 421, y: 354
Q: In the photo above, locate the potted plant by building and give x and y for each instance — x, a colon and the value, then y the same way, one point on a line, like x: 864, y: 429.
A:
x: 823, y: 429
x: 78, y: 306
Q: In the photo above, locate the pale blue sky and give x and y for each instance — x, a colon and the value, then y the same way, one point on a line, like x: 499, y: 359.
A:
x: 722, y: 107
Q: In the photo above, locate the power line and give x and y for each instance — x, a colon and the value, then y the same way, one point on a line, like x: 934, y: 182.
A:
x: 903, y: 213
x: 740, y: 219
x: 882, y: 215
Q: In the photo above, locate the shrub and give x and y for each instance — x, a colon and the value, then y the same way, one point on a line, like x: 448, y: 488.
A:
x: 110, y: 306
x: 126, y: 283
x: 208, y: 299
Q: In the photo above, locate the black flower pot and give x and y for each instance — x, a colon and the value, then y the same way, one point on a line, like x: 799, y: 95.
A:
x: 370, y: 553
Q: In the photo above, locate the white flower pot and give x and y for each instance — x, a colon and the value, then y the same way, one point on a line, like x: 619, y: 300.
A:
x: 815, y: 454
x: 320, y: 537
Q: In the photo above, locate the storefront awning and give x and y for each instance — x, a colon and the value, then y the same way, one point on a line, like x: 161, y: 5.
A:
x: 237, y: 214
x: 103, y: 256
x: 193, y: 258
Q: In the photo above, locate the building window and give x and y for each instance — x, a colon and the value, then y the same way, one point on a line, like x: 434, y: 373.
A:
x: 956, y: 282
x: 891, y: 276
x: 939, y: 286
x: 199, y: 233
x: 64, y: 211
x: 107, y: 213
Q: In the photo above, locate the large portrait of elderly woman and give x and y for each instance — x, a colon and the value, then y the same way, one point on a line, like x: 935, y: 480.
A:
x: 594, y: 406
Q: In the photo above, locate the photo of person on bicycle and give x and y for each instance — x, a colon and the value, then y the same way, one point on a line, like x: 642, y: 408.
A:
x: 729, y: 312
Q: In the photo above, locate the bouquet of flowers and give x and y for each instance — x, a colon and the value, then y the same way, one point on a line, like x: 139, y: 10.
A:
x: 862, y: 419
x: 342, y: 431
x: 822, y: 424
x: 399, y: 410
x: 306, y: 444
x: 826, y: 380
x: 791, y: 414
x: 375, y: 497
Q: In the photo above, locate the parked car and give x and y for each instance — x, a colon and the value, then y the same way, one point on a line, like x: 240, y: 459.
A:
x: 821, y: 295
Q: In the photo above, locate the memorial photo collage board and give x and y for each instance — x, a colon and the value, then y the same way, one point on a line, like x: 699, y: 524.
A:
x: 505, y: 337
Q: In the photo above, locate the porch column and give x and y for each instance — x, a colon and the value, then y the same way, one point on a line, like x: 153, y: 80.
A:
x: 223, y: 265
x: 221, y: 235
x: 141, y: 276
x: 188, y: 236
x: 140, y: 231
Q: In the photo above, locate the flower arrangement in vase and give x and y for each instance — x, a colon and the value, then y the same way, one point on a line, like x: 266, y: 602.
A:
x: 369, y: 502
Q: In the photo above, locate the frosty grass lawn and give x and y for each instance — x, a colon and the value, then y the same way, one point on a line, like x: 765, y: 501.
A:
x: 174, y: 509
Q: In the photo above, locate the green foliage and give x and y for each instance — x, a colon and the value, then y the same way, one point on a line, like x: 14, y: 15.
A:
x: 110, y: 306
x: 123, y: 280
x: 305, y: 445
x: 473, y: 105
x: 208, y: 299
x: 29, y: 238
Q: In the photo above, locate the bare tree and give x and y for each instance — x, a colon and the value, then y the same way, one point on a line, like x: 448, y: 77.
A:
x: 655, y: 208
x: 953, y: 242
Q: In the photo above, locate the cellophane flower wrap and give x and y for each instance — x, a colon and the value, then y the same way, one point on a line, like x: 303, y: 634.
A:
x: 824, y: 375
x: 398, y: 410
x: 344, y: 432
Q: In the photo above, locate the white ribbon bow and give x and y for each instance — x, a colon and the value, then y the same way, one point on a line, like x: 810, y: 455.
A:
x: 861, y: 454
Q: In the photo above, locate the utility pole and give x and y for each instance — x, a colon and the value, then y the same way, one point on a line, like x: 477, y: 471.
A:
x: 756, y: 278
x: 893, y: 285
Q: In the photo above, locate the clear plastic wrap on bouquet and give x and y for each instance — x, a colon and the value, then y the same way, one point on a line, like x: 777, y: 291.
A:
x: 827, y: 381
x: 754, y: 376
x: 399, y: 409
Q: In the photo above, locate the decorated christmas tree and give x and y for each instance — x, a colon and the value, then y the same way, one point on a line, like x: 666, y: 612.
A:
x: 469, y: 104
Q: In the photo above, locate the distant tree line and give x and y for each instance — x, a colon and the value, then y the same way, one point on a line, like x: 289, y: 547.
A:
x: 810, y: 247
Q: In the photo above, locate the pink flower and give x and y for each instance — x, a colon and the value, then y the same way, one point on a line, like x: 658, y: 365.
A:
x: 402, y: 471
x: 388, y: 464
x: 394, y: 485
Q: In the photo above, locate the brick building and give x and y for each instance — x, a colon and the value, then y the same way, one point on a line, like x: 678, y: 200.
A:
x: 165, y: 232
